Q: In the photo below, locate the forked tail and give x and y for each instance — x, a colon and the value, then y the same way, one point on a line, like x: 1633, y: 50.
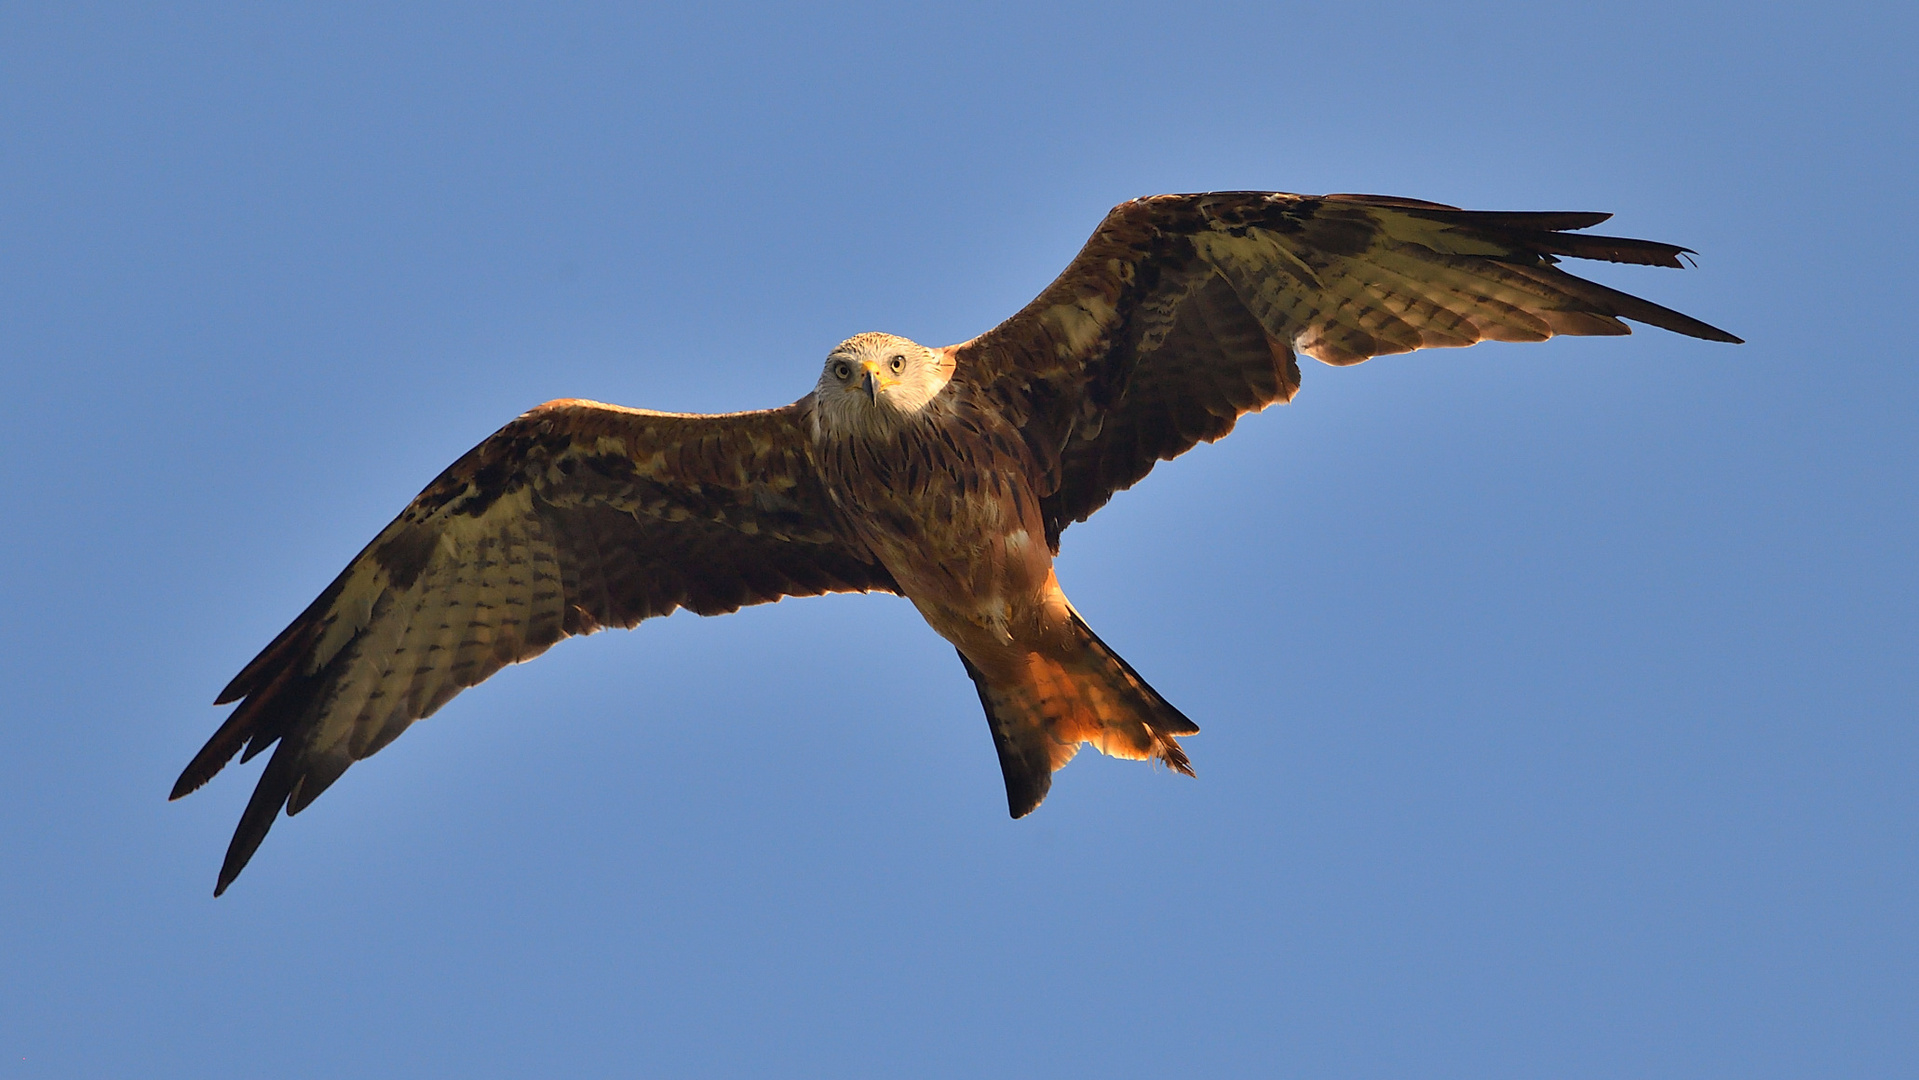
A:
x: 1041, y: 710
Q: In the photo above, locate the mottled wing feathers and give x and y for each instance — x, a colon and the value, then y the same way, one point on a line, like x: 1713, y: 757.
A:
x: 574, y: 517
x: 1215, y: 363
x: 1183, y: 312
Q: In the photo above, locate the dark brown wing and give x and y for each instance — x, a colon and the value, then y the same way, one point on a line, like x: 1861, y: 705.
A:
x: 575, y: 516
x: 1183, y: 312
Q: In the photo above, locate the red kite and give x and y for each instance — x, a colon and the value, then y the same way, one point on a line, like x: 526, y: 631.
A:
x: 944, y: 475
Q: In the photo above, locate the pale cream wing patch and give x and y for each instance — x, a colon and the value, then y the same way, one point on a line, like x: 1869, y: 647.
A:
x: 1391, y: 298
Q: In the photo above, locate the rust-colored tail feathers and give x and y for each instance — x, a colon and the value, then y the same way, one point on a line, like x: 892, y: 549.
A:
x: 1044, y: 710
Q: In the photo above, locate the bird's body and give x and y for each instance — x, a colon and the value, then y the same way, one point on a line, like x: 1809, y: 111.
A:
x: 945, y: 475
x: 944, y: 497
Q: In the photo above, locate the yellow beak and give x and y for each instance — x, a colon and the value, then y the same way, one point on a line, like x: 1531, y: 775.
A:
x: 872, y: 381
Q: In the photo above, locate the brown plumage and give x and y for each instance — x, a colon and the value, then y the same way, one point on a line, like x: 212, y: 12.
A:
x: 946, y: 475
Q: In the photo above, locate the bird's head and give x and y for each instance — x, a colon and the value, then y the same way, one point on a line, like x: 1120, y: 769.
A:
x: 874, y: 382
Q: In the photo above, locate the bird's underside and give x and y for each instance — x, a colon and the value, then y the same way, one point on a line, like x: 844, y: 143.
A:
x: 946, y: 475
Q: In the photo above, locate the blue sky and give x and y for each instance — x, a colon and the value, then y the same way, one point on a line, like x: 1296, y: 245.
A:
x: 1558, y: 700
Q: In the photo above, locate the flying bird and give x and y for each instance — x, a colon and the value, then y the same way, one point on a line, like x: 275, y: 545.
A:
x: 945, y: 475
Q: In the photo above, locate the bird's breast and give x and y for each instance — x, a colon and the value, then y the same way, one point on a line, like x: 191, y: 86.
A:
x: 952, y: 513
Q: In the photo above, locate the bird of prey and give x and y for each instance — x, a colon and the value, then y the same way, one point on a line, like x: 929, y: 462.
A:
x: 945, y: 475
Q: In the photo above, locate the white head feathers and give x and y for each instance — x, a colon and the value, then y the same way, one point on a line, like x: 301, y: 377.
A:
x: 872, y: 383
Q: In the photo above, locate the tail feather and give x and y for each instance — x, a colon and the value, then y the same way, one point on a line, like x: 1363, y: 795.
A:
x: 1042, y: 710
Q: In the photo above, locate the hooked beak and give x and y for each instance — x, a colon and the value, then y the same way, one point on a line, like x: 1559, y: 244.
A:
x: 872, y: 381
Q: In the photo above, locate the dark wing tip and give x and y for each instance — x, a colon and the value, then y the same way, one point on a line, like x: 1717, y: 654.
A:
x: 1627, y: 306
x: 1619, y: 249
x: 189, y: 782
x: 273, y: 698
x: 1544, y: 236
x: 269, y: 795
x: 1540, y: 232
x: 1713, y: 333
x: 213, y: 756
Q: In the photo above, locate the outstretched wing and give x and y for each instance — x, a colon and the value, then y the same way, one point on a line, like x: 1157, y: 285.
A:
x: 1185, y: 311
x: 575, y: 516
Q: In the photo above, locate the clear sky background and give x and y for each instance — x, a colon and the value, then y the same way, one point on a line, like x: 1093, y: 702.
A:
x: 1560, y: 702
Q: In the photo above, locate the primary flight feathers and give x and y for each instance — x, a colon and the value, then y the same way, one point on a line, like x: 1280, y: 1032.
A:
x: 946, y: 475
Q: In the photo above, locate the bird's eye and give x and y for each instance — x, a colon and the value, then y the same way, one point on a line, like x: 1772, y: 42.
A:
x: 898, y: 364
x: 842, y: 370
